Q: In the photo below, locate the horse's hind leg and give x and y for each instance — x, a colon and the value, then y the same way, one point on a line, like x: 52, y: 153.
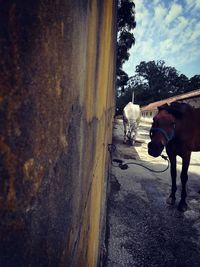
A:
x: 171, y: 199
x: 184, y: 177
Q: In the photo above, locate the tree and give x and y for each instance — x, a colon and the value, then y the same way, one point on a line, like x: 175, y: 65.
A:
x: 161, y: 79
x: 125, y: 38
x: 123, y: 99
x: 183, y: 84
x: 194, y: 82
x: 122, y: 79
x: 155, y: 81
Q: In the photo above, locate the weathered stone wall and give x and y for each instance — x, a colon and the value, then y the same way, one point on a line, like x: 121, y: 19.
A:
x: 56, y: 107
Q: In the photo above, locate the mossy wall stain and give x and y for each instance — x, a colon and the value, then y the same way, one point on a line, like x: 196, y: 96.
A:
x: 57, y: 76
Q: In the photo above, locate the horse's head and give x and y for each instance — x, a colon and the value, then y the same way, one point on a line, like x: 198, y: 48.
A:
x: 162, y: 130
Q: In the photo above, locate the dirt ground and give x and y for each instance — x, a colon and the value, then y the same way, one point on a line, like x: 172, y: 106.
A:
x: 142, y: 229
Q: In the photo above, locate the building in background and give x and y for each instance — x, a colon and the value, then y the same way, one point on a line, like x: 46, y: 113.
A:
x: 192, y: 98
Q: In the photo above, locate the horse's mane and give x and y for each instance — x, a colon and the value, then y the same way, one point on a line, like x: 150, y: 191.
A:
x: 177, y: 109
x: 180, y: 106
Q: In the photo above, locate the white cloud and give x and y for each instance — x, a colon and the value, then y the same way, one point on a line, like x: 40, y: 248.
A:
x: 139, y: 3
x: 166, y: 45
x: 179, y: 27
x: 174, y: 11
x: 169, y: 31
x: 197, y: 4
x: 183, y: 22
x: 196, y: 33
x: 160, y: 12
x: 190, y: 3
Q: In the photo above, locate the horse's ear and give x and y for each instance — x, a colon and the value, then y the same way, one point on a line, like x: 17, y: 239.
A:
x: 176, y: 109
x: 178, y: 114
x: 165, y: 106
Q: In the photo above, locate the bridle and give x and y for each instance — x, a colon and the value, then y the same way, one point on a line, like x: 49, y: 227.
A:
x: 167, y: 136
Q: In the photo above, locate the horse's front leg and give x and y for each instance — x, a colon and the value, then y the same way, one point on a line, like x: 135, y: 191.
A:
x: 125, y: 131
x: 171, y: 199
x: 184, y: 177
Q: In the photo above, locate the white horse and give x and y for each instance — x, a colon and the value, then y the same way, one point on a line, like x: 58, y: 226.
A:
x: 131, y: 118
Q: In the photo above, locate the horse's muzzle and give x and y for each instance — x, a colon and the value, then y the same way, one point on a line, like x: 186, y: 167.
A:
x: 154, y: 149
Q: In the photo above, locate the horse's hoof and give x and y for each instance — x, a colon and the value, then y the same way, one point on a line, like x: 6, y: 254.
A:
x: 171, y: 200
x: 182, y: 206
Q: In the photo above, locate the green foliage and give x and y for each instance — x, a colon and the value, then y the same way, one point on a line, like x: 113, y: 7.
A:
x: 125, y: 38
x: 126, y: 15
x: 125, y: 41
x: 122, y: 78
x: 121, y: 100
x: 155, y: 81
x: 195, y: 82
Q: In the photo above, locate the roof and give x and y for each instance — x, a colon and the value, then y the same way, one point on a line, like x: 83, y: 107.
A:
x: 188, y: 95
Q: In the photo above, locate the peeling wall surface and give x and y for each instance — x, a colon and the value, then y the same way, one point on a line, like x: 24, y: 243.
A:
x: 57, y: 61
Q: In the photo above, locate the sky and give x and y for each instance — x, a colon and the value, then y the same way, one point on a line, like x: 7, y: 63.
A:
x: 167, y: 30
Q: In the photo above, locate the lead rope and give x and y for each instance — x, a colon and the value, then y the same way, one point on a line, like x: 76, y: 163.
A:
x: 124, y: 165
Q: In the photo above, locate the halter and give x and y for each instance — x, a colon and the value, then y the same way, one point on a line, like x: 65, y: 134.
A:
x: 168, y: 137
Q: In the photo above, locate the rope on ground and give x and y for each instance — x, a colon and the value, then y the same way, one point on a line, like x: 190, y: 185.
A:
x: 124, y: 165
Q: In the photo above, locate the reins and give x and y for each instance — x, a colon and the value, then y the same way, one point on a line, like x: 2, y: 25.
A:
x: 124, y: 165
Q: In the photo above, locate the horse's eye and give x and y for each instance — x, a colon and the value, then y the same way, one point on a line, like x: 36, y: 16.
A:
x: 151, y: 133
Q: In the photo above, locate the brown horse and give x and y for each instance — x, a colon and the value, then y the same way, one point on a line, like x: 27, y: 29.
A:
x: 176, y: 127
